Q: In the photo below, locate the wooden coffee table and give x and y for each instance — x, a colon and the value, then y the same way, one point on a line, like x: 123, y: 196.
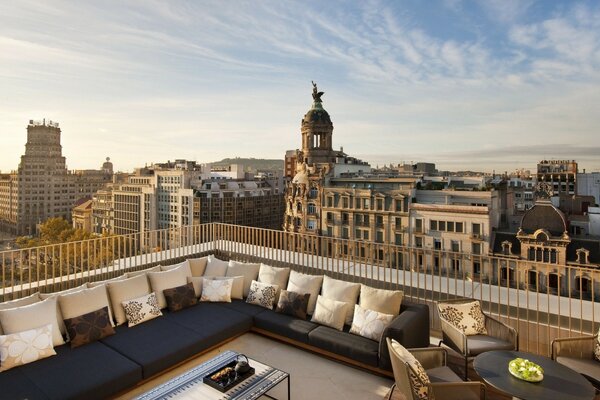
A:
x: 559, y: 381
x: 189, y: 385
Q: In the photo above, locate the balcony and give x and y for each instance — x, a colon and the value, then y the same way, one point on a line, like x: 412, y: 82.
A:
x: 60, y: 266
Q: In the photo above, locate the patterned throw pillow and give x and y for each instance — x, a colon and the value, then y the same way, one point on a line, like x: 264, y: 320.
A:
x: 141, y: 309
x: 25, y: 347
x: 369, y: 323
x: 466, y: 317
x: 262, y: 294
x: 217, y: 290
x: 419, y: 380
x: 88, y: 328
x: 597, y: 346
x: 180, y: 297
x: 292, y: 303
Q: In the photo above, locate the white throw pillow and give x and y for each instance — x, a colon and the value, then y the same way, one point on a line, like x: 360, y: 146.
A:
x: 214, y: 290
x: 302, y: 283
x: 83, y: 302
x: 126, y: 289
x: 466, y: 317
x: 25, y: 347
x: 23, y: 301
x: 380, y: 300
x: 141, y: 309
x: 237, y: 285
x: 331, y: 313
x: 215, y: 267
x: 197, y: 283
x: 342, y: 291
x: 262, y: 294
x: 274, y: 276
x: 248, y: 270
x: 160, y: 281
x: 369, y: 323
x: 15, y: 320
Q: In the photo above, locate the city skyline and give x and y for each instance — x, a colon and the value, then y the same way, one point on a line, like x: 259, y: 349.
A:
x: 467, y: 85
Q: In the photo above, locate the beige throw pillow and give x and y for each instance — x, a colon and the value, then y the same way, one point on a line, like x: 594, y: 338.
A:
x: 25, y: 347
x: 215, y: 267
x: 248, y: 270
x: 380, y: 300
x: 302, y: 283
x: 416, y: 373
x: 160, y: 281
x: 196, y: 281
x: 217, y: 290
x: 342, y: 291
x: 44, y: 296
x: 83, y: 302
x: 23, y: 301
x: 126, y: 289
x: 274, y: 276
x: 329, y: 312
x: 369, y: 323
x: 15, y: 320
x: 197, y: 265
x: 133, y: 274
x: 104, y: 282
x: 466, y: 317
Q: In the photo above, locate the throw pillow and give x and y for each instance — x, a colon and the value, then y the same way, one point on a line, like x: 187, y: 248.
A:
x: 331, y: 313
x: 23, y: 301
x: 381, y: 300
x: 197, y: 265
x: 419, y: 379
x: 180, y: 297
x: 15, y: 320
x: 141, y: 309
x: 466, y: 317
x: 196, y: 281
x: 84, y: 302
x: 216, y: 290
x: 302, y: 283
x: 215, y: 267
x: 341, y: 291
x: 237, y: 285
x: 88, y: 328
x: 126, y: 289
x: 597, y: 346
x: 44, y: 296
x: 248, y: 270
x: 292, y: 303
x: 173, y: 266
x: 274, y: 276
x: 133, y: 274
x: 104, y: 282
x: 262, y: 294
x: 160, y: 281
x: 369, y: 323
x: 25, y: 347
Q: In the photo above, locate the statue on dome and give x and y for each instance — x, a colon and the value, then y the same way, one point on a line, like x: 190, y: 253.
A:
x: 316, y: 94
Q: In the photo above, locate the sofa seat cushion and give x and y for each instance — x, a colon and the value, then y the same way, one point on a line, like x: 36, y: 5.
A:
x: 155, y: 345
x: 211, y: 323
x: 478, y: 344
x: 16, y: 385
x: 244, y: 308
x: 345, y: 344
x: 442, y: 374
x: 93, y: 371
x: 588, y: 367
x: 285, y: 325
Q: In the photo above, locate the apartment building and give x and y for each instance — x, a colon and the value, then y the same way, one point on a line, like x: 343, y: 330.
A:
x: 561, y: 174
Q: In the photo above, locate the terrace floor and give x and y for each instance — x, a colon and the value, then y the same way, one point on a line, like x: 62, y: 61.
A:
x: 312, y: 376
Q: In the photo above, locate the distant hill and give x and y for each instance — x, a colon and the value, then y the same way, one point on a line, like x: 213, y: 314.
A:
x: 253, y: 163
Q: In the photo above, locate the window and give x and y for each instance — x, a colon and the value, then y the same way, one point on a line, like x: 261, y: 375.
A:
x: 311, y: 224
x: 458, y: 227
x: 532, y: 276
x: 476, y: 229
x: 437, y: 244
x: 380, y: 204
x: 442, y: 225
x: 398, y: 223
x: 553, y: 281
x: 311, y: 208
x: 476, y: 248
x: 450, y: 226
x: 344, y: 202
x: 329, y: 201
x: 398, y: 239
x: 476, y: 268
x: 418, y: 242
x: 433, y: 225
x: 345, y: 233
x: 299, y: 207
x: 455, y: 246
x: 366, y: 235
x: 379, y: 220
x: 379, y: 237
x: 329, y: 217
x: 345, y: 218
x: 419, y: 225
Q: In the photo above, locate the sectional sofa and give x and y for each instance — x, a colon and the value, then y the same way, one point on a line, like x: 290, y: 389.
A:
x: 133, y: 355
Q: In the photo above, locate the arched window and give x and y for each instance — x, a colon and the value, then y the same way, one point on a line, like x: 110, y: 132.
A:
x: 532, y: 278
x: 583, y: 256
x: 553, y: 280
x: 582, y: 284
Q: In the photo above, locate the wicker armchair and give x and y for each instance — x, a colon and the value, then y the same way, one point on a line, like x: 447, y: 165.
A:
x: 499, y: 336
x: 444, y: 383
x: 577, y: 353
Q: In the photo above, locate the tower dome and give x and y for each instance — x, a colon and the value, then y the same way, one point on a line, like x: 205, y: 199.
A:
x: 543, y: 215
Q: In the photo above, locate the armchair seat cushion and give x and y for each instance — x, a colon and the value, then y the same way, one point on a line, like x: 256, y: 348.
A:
x: 588, y: 367
x: 478, y: 344
x: 454, y: 393
x: 442, y: 374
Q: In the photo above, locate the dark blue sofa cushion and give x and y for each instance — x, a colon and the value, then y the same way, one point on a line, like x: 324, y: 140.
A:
x: 92, y: 371
x: 211, y: 322
x: 285, y: 325
x: 14, y: 385
x: 243, y: 307
x: 156, y: 344
x: 345, y: 344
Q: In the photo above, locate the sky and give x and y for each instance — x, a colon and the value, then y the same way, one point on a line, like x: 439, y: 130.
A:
x: 480, y: 85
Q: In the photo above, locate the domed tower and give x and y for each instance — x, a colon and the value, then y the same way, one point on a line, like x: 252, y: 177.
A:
x: 317, y: 132
x: 107, y: 167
